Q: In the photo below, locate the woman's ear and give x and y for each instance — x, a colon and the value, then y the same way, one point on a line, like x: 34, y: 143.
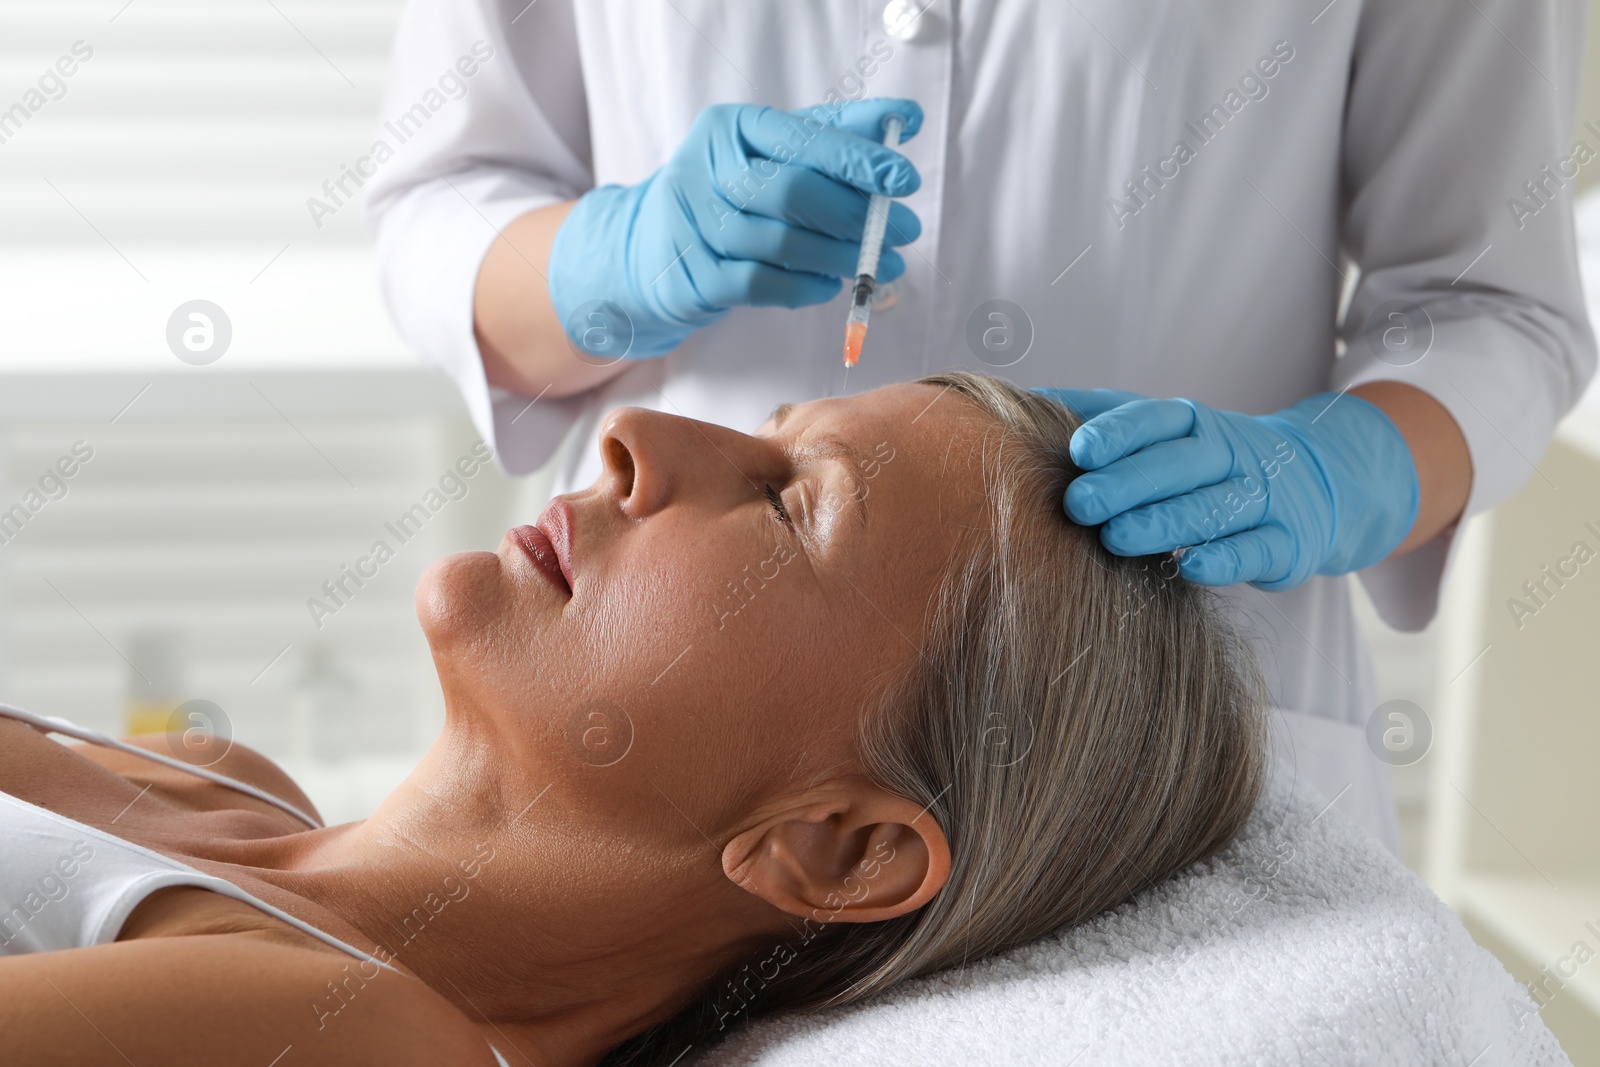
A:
x: 844, y: 851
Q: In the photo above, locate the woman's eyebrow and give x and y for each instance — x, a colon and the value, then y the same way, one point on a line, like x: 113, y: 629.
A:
x: 827, y: 446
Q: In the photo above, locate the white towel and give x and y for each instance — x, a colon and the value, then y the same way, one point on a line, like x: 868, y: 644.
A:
x: 1303, y: 942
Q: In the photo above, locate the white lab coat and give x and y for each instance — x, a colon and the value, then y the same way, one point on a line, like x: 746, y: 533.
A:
x: 1397, y: 134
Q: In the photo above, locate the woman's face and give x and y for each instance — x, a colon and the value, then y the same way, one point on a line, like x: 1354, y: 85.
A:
x: 736, y: 604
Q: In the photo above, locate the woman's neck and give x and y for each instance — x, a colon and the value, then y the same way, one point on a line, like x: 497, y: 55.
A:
x: 548, y: 936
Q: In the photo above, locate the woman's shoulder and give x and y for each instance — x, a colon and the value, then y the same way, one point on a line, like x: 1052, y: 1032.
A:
x: 232, y: 997
x: 209, y: 751
x: 36, y: 768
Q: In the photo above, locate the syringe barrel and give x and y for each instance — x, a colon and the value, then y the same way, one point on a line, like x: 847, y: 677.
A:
x: 872, y: 236
x: 878, y: 210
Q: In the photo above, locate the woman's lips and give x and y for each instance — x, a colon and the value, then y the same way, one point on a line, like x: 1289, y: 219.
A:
x: 556, y: 524
x: 536, y: 544
x: 548, y: 543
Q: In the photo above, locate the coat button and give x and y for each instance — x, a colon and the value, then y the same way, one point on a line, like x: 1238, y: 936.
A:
x: 904, y: 20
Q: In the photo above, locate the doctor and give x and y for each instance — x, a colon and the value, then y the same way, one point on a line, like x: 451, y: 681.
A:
x: 1333, y: 228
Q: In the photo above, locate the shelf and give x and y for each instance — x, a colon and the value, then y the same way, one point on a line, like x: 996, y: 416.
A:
x: 89, y: 309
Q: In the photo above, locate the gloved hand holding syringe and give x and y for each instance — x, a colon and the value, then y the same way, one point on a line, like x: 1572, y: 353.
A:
x: 757, y: 208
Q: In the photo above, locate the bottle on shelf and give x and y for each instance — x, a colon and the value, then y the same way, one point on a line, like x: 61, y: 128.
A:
x: 155, y: 678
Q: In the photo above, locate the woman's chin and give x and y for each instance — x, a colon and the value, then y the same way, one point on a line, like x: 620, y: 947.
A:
x: 459, y: 597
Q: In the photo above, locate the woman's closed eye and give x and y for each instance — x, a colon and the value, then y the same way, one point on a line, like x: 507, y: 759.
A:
x: 778, y: 509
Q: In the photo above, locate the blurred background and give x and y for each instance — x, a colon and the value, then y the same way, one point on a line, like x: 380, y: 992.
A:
x: 195, y: 545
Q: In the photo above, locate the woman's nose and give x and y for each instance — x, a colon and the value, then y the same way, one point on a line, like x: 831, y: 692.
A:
x: 652, y: 459
x: 636, y: 451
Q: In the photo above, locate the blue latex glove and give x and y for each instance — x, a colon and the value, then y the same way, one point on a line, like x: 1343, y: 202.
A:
x: 757, y: 207
x: 1326, y: 486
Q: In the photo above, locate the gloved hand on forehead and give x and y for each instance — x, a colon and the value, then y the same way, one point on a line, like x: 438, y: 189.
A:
x: 757, y: 207
x: 1325, y: 486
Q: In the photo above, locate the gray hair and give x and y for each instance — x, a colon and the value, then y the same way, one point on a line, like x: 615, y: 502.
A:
x: 1081, y: 725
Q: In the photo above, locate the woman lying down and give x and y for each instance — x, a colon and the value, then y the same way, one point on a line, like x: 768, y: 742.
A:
x: 754, y: 724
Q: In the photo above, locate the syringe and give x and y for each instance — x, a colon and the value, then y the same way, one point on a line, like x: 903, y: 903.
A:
x: 855, y: 327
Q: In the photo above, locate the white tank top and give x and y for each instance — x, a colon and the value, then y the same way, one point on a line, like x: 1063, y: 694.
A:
x: 65, y: 884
